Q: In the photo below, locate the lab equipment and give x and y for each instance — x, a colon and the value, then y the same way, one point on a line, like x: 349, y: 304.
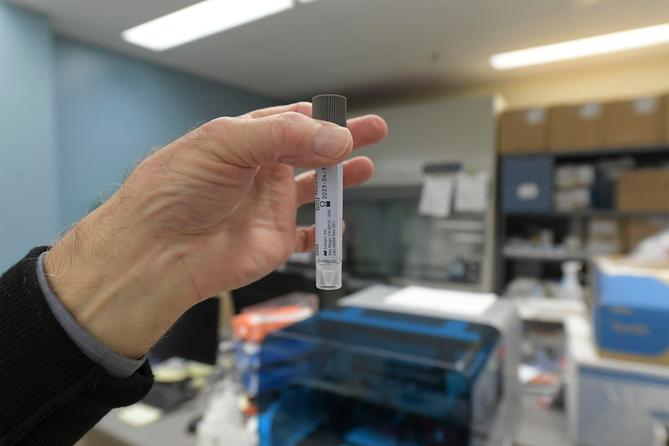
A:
x: 223, y: 422
x: 449, y: 304
x: 363, y: 376
x: 255, y: 322
x: 570, y: 287
x: 328, y: 201
x: 611, y: 402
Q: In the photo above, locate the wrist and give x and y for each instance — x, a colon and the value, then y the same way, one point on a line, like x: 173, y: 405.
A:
x: 117, y: 283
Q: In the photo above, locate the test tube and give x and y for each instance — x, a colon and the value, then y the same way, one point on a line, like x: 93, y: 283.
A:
x: 328, y: 200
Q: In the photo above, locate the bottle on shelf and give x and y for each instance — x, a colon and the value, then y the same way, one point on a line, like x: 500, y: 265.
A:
x: 570, y: 286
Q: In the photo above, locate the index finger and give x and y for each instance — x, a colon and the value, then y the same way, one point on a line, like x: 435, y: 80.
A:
x: 365, y: 130
x: 299, y: 107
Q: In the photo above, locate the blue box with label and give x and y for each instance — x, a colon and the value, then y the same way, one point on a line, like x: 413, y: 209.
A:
x: 631, y: 312
x: 527, y: 183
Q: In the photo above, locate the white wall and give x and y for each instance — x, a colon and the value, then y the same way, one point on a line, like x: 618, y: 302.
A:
x: 629, y: 78
x: 460, y: 128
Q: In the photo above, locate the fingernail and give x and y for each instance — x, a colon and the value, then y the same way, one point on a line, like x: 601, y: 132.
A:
x: 331, y: 141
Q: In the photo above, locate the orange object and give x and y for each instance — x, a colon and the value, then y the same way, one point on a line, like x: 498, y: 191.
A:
x: 253, y: 326
x: 250, y: 410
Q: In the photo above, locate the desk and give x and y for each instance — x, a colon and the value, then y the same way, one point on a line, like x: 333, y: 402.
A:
x: 536, y: 428
x: 521, y: 423
x: 170, y: 430
x: 539, y: 426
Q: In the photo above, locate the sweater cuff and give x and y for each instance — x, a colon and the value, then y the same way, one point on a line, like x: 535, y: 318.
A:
x: 51, y: 391
x: 114, y: 363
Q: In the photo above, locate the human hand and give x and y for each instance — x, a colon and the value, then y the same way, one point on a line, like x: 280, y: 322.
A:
x: 213, y: 211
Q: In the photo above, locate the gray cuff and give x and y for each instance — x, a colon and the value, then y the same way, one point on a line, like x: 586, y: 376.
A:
x: 114, y: 363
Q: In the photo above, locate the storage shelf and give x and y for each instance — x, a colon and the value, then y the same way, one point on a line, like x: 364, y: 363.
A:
x: 618, y: 151
x: 552, y: 310
x: 383, y: 193
x: 600, y: 153
x: 577, y: 221
x: 547, y: 259
x: 608, y: 213
x: 543, y: 257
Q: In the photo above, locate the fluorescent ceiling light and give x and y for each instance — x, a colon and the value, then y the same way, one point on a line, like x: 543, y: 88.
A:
x: 590, y: 46
x: 200, y: 20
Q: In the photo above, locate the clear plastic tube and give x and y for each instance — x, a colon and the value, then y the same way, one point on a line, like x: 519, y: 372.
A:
x: 328, y: 201
x: 329, y: 227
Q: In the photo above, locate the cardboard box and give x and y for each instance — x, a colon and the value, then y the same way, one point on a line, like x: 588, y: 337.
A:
x: 603, y: 228
x: 603, y: 237
x: 576, y: 127
x: 637, y: 123
x: 602, y: 247
x: 631, y: 310
x: 523, y: 131
x: 610, y: 402
x: 643, y: 190
x: 573, y: 199
x: 665, y: 100
x: 638, y: 229
x: 574, y: 175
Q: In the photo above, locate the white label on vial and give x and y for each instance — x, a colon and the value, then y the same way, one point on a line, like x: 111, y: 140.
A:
x: 328, y: 213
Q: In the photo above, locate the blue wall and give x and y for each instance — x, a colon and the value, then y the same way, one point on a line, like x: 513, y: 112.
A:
x: 111, y: 110
x: 28, y: 169
x: 75, y: 118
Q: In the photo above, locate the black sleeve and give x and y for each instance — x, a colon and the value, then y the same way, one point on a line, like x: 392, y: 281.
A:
x: 50, y: 392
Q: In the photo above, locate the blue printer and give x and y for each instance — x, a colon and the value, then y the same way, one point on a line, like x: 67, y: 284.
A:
x: 365, y: 377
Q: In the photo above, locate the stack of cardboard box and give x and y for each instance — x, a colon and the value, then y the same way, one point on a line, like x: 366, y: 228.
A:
x: 635, y: 124
x: 643, y: 190
x: 523, y: 131
x: 631, y: 124
x: 573, y: 187
x: 639, y: 228
x: 576, y: 127
x: 603, y: 237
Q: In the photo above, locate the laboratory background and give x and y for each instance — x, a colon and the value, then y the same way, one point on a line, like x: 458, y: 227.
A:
x: 505, y: 270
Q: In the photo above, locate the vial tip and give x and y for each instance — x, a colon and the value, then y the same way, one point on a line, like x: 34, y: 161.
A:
x: 328, y: 277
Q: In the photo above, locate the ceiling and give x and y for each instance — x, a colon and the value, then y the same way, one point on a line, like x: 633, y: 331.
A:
x: 359, y: 47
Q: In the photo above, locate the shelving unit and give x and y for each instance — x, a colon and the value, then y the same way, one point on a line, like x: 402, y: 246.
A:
x: 545, y: 257
x: 549, y: 263
x: 611, y: 152
x: 590, y: 213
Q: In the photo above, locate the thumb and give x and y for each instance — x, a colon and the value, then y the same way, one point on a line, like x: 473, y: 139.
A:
x: 287, y: 138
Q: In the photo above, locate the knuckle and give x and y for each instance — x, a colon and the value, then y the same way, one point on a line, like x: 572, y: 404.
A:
x: 294, y: 117
x: 218, y: 127
x: 289, y: 129
x: 218, y: 137
x: 303, y: 107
